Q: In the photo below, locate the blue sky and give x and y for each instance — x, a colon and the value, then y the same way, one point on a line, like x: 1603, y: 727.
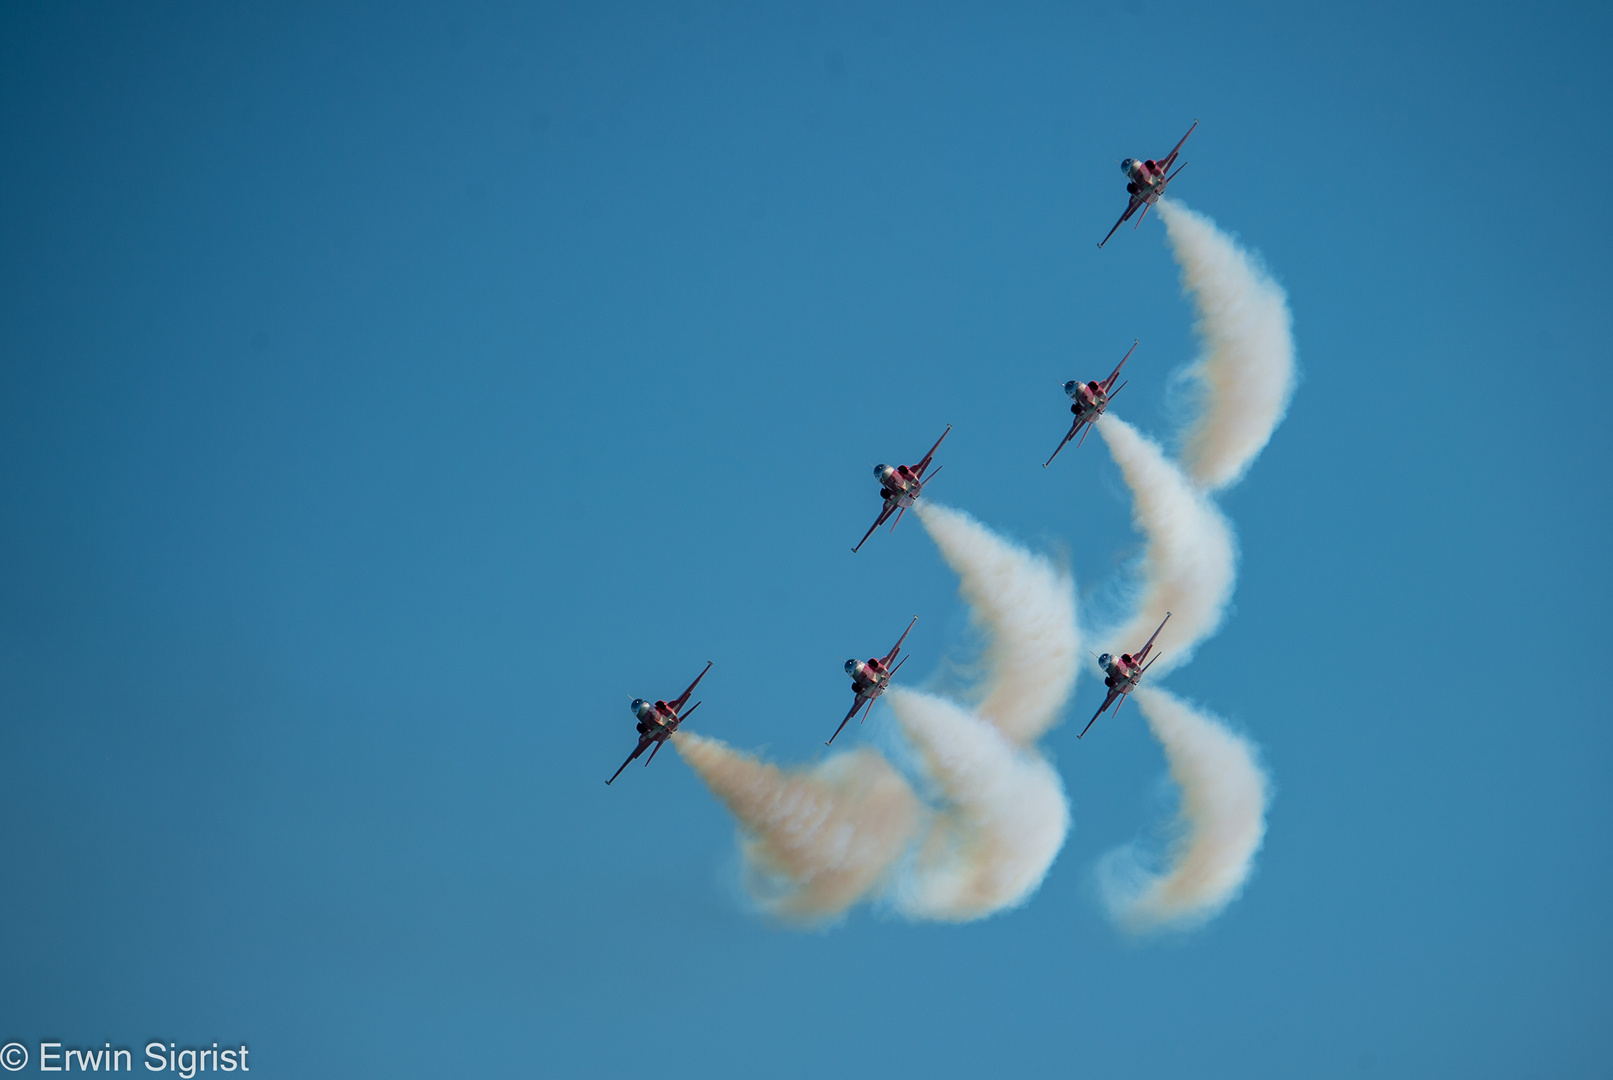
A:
x: 388, y: 396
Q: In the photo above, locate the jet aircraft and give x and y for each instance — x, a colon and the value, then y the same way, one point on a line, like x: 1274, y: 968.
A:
x: 1121, y: 675
x: 869, y: 679
x: 1145, y: 183
x: 900, y: 488
x: 1090, y: 400
x: 657, y: 720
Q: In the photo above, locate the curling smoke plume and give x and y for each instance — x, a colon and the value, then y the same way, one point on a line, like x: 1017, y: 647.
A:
x: 1003, y: 815
x: 1026, y: 607
x: 1003, y: 819
x: 1190, y: 562
x: 814, y: 841
x: 1219, y: 826
x: 1246, y: 371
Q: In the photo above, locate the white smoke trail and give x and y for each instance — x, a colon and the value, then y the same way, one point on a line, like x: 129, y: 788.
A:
x: 1027, y: 607
x: 1247, y: 367
x: 1003, y: 821
x: 1190, y: 562
x: 1219, y: 826
x: 814, y: 841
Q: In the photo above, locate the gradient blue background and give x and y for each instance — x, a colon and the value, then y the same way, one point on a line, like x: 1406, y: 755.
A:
x: 388, y: 395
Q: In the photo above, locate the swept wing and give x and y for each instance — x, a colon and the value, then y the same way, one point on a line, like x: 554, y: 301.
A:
x: 890, y: 504
x: 1141, y: 656
x: 1107, y: 701
x: 918, y: 470
x: 1136, y: 201
x: 896, y: 648
x: 678, y: 704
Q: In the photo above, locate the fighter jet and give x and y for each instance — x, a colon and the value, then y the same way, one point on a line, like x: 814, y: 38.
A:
x: 1145, y: 183
x: 1121, y: 675
x: 1090, y: 401
x: 870, y: 679
x: 900, y: 488
x: 657, y: 720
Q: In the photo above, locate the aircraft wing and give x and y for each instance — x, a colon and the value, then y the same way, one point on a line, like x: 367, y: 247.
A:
x: 1073, y: 429
x: 1130, y: 210
x: 1141, y: 656
x: 890, y: 504
x: 1109, y: 383
x: 925, y: 463
x: 1107, y: 701
x: 678, y: 704
x: 854, y: 707
x: 896, y: 648
x: 1165, y: 165
x: 643, y: 741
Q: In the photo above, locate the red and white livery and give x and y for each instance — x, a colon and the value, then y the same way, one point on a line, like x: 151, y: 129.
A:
x: 1090, y: 399
x: 1122, y: 673
x: 870, y: 678
x: 657, y: 720
x: 1145, y: 183
x: 900, y: 487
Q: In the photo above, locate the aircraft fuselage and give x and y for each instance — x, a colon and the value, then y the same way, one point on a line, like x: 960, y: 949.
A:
x: 1087, y: 397
x: 652, y: 715
x: 868, y: 678
x: 1147, y: 179
x: 898, y: 483
x: 1120, y: 672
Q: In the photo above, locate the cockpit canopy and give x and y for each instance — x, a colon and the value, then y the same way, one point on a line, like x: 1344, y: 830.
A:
x: 1125, y: 166
x: 1069, y: 387
x: 851, y: 667
x: 1103, y: 661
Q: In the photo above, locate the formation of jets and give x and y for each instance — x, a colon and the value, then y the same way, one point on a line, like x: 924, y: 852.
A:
x: 900, y: 488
